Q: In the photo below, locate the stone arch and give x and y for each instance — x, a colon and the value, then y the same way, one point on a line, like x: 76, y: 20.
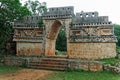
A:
x: 51, y: 38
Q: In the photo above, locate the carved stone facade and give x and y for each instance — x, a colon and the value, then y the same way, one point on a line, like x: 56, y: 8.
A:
x: 91, y: 36
x: 29, y: 36
x: 88, y: 35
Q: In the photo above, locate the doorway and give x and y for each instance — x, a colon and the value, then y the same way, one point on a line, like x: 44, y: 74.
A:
x: 61, y: 42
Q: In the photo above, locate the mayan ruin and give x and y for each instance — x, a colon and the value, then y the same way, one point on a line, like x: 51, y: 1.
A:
x: 89, y: 36
x: 59, y: 40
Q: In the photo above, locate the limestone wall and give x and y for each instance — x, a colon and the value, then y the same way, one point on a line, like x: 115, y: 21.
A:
x: 91, y: 50
x: 27, y: 49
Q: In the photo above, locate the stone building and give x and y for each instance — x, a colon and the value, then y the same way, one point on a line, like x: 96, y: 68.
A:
x: 89, y: 36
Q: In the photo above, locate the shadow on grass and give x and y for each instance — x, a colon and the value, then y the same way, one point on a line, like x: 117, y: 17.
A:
x: 8, y: 69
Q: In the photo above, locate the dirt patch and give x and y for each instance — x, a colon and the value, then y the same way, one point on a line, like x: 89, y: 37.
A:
x: 27, y: 74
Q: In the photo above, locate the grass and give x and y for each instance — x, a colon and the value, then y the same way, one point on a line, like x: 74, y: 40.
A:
x: 111, y: 61
x: 7, y: 69
x: 83, y: 75
x: 61, y: 53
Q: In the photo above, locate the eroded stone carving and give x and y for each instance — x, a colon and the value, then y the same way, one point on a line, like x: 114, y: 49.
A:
x: 89, y: 35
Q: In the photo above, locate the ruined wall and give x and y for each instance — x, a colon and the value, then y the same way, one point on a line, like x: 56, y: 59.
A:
x: 29, y: 36
x: 29, y: 48
x: 91, y: 50
x: 53, y: 64
x: 91, y: 37
x: 88, y: 34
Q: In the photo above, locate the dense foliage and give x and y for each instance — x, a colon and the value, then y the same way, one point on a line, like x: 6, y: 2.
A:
x: 36, y: 7
x: 9, y: 11
x: 117, y: 33
x: 61, y: 42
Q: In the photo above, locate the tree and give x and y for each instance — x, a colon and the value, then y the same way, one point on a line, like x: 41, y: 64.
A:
x: 61, y: 40
x: 9, y: 11
x: 36, y: 7
x: 117, y: 33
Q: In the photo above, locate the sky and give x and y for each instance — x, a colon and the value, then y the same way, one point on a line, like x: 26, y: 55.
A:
x: 104, y: 7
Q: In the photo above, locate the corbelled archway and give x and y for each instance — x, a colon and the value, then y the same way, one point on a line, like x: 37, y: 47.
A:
x: 51, y: 38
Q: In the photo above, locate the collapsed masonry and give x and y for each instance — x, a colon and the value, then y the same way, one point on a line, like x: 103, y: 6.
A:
x: 89, y: 36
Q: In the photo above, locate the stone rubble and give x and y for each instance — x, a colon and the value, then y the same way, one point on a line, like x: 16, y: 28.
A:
x: 114, y: 69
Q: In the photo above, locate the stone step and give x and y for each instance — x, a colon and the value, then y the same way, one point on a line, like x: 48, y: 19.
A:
x: 49, y: 63
x: 54, y: 60
x: 50, y: 68
x: 59, y: 63
x: 58, y: 56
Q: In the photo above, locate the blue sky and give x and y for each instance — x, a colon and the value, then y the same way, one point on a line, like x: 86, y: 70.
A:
x: 104, y: 7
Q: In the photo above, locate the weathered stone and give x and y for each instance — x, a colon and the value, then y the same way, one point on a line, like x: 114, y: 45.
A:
x: 96, y: 66
x: 89, y: 35
x: 118, y: 55
x: 29, y: 49
x: 54, y: 63
x: 84, y: 65
x: 117, y: 64
x: 59, y: 12
x: 14, y: 61
x: 114, y: 69
x: 51, y: 38
x: 91, y: 50
x: 89, y: 18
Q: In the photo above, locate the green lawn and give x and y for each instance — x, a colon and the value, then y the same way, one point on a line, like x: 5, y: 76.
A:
x: 61, y: 53
x: 8, y: 69
x: 83, y: 75
x: 111, y: 61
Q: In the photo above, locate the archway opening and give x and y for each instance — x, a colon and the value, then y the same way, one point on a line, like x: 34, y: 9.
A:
x: 61, y: 42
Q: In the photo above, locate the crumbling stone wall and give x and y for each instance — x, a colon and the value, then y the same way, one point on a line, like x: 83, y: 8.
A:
x: 29, y: 37
x: 88, y: 35
x: 91, y: 37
